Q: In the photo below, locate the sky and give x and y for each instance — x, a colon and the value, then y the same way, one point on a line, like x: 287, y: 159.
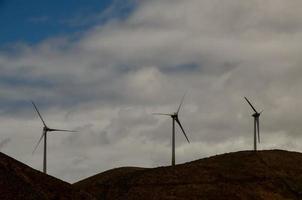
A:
x: 35, y: 20
x: 103, y: 67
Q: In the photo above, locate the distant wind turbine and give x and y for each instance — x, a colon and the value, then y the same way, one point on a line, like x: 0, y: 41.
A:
x: 174, y: 117
x: 44, y: 134
x: 256, y: 116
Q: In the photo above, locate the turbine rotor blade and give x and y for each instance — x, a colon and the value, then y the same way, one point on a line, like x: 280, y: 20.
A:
x: 38, y: 113
x: 181, y: 102
x: 61, y: 130
x: 258, y: 129
x: 183, y: 131
x: 43, y: 134
x: 251, y: 105
x: 162, y: 114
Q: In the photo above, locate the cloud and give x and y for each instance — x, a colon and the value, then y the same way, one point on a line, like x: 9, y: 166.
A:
x: 4, y: 142
x: 117, y: 10
x: 108, y: 81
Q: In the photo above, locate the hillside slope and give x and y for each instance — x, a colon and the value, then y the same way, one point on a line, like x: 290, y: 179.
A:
x: 247, y: 175
x: 20, y: 182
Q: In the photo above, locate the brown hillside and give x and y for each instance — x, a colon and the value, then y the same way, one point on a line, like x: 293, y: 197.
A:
x: 244, y: 175
x: 20, y: 182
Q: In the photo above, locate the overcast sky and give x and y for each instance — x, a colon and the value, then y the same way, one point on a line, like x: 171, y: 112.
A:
x: 104, y: 72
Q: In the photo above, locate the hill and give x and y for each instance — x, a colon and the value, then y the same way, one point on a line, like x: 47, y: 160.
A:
x: 20, y: 182
x: 247, y: 175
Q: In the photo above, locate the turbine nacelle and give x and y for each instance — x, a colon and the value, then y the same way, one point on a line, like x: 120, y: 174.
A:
x: 45, y: 129
x: 174, y: 115
x: 256, y: 115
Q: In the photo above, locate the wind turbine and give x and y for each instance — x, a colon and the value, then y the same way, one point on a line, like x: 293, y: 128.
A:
x: 174, y: 117
x: 46, y: 129
x: 256, y: 116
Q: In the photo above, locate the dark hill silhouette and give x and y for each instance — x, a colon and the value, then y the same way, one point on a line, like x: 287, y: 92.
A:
x: 246, y: 175
x: 20, y: 182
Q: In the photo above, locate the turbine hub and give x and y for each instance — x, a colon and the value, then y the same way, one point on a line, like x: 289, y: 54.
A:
x: 256, y: 115
x: 174, y: 115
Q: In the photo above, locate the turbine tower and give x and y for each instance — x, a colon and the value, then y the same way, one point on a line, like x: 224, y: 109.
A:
x: 256, y: 116
x: 46, y: 129
x: 175, y: 118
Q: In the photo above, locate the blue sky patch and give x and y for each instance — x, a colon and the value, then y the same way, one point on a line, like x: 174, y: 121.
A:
x: 32, y: 21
